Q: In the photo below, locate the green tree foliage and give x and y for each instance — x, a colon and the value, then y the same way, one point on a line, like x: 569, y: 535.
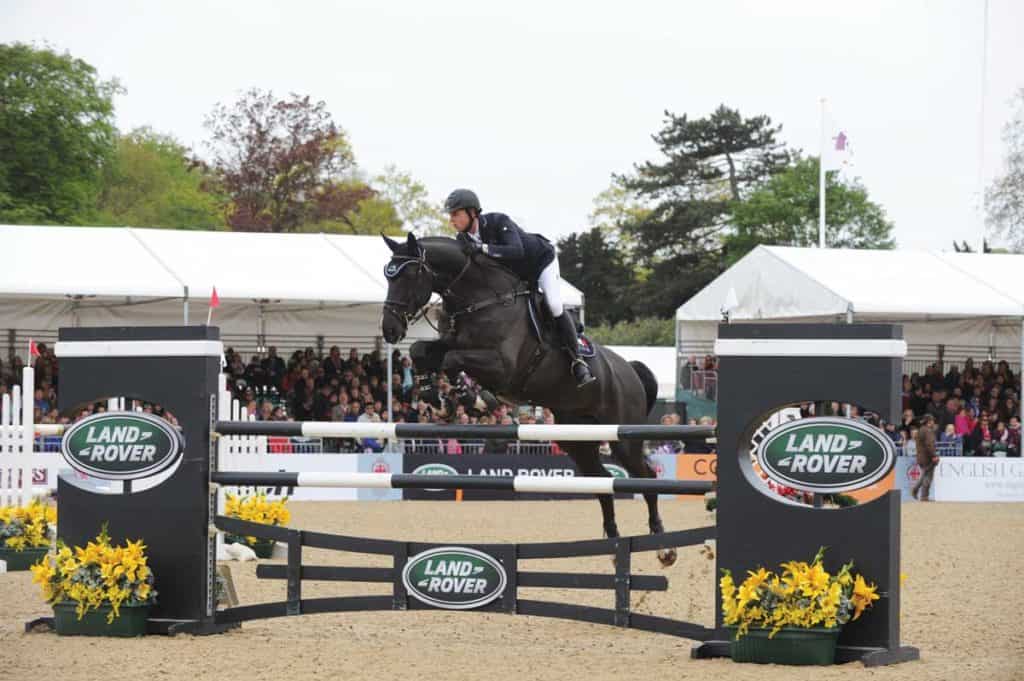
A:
x: 1005, y: 197
x: 710, y: 165
x: 614, y: 209
x: 411, y: 203
x: 642, y: 331
x: 151, y: 182
x: 784, y: 212
x: 56, y: 133
x: 597, y: 268
x: 280, y: 163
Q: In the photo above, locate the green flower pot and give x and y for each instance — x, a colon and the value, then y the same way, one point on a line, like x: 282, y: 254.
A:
x: 21, y: 560
x: 131, y: 622
x: 791, y: 645
x: 263, y: 548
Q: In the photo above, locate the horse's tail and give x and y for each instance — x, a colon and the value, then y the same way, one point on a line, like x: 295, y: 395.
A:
x: 649, y: 381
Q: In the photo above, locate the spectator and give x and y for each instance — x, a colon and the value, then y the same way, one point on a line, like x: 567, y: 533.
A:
x: 1013, y: 437
x: 1000, y: 439
x: 964, y: 422
x: 949, y: 441
x: 910, y: 440
x: 979, y: 442
x: 274, y: 368
x: 926, y: 458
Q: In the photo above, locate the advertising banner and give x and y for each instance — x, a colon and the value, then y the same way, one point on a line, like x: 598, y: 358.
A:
x: 380, y: 463
x: 501, y: 465
x: 967, y: 478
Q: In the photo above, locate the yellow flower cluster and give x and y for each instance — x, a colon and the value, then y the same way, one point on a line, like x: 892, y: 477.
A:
x: 257, y: 509
x: 805, y: 595
x: 96, y: 575
x: 23, y: 527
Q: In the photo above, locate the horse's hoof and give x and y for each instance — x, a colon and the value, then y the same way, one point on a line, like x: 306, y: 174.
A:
x: 667, y: 557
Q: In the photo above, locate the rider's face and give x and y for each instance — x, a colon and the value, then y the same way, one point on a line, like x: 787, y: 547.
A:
x: 460, y: 220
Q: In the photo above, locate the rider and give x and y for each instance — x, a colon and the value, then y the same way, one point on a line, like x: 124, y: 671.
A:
x: 531, y: 256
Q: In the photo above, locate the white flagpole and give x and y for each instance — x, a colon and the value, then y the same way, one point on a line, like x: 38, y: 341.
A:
x: 980, y: 204
x: 821, y: 181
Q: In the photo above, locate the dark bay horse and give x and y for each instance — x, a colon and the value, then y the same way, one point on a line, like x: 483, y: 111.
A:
x: 488, y: 334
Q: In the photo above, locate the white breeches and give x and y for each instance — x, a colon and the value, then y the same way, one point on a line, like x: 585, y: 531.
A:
x: 551, y: 283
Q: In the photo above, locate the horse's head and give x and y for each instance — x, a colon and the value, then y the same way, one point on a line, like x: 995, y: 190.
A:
x: 410, y: 283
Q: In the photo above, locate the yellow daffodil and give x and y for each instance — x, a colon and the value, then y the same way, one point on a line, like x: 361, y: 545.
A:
x: 804, y: 595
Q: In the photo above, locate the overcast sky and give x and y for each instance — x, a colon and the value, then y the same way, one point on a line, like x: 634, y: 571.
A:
x: 536, y: 104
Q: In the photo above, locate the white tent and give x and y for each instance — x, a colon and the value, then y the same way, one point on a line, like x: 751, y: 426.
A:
x: 281, y: 287
x: 660, y: 360
x: 951, y: 305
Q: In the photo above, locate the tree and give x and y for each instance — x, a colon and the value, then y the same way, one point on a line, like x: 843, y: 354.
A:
x: 784, y: 212
x: 614, y: 209
x: 56, y: 133
x: 710, y: 165
x: 272, y: 157
x: 411, y: 203
x: 1005, y: 197
x: 642, y: 331
x: 151, y: 182
x: 597, y: 268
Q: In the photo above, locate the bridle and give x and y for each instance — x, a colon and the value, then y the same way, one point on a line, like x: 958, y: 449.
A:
x: 404, y: 310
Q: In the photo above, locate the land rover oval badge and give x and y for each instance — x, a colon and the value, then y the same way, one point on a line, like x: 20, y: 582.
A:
x: 121, y: 445
x: 454, y: 577
x: 826, y: 454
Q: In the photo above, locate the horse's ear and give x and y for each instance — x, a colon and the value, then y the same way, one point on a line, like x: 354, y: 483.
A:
x: 392, y: 244
x: 410, y: 241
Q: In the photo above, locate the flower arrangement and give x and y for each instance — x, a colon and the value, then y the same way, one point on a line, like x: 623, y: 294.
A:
x: 26, y: 527
x: 257, y: 509
x: 805, y: 595
x: 99, y: 574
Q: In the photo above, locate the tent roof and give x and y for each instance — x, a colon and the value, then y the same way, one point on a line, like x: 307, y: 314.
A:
x: 773, y: 282
x: 118, y: 262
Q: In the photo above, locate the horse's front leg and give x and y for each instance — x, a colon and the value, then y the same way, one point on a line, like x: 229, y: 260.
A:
x: 486, y: 367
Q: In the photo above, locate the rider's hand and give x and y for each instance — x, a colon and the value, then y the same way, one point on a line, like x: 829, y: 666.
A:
x: 470, y: 245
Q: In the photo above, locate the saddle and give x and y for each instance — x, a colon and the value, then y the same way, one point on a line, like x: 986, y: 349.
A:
x: 543, y: 324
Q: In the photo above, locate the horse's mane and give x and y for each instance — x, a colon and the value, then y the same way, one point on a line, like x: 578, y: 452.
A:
x: 446, y: 253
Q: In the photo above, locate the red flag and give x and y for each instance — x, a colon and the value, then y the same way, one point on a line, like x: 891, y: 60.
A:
x: 33, y: 349
x: 214, y: 302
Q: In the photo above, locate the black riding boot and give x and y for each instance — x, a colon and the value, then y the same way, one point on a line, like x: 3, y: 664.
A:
x: 567, y: 332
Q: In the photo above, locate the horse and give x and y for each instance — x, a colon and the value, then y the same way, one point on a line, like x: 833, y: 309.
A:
x: 488, y: 332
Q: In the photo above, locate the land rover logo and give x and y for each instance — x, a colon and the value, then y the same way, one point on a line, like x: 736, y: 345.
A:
x: 454, y: 577
x: 434, y: 469
x: 826, y: 454
x: 616, y: 470
x: 121, y: 446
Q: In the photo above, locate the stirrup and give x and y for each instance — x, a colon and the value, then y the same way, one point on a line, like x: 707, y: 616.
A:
x: 588, y: 377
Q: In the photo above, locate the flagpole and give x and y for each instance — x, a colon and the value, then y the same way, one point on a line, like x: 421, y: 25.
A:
x: 821, y: 180
x: 980, y: 203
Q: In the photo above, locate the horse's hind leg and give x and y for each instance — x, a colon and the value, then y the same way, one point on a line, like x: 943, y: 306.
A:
x: 631, y: 455
x: 588, y: 463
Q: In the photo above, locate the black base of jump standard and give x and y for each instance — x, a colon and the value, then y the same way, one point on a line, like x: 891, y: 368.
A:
x: 621, y: 582
x: 762, y: 368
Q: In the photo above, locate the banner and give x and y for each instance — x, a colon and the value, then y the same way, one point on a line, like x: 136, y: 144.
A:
x: 966, y: 478
x: 502, y: 465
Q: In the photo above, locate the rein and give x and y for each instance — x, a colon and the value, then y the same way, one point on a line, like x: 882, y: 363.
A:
x: 410, y: 317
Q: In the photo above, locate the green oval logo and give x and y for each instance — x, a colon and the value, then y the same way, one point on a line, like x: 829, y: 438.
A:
x: 616, y: 470
x: 434, y: 469
x: 454, y: 578
x: 121, y: 445
x: 826, y: 454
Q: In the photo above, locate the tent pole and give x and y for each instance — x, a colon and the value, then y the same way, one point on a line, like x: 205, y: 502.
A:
x: 186, y: 306
x: 391, y: 416
x: 1021, y: 369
